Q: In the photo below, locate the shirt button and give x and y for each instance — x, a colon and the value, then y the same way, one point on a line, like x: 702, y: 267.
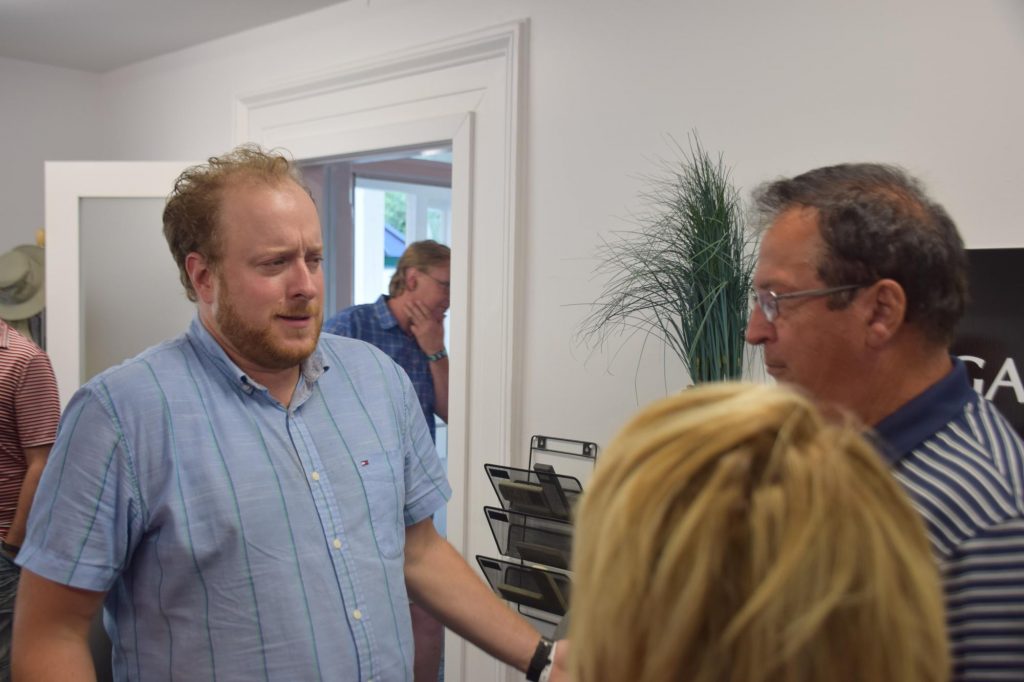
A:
x: 336, y: 543
x: 315, y: 475
x: 357, y: 614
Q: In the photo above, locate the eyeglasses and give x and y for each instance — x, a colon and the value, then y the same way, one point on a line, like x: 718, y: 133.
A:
x: 768, y: 301
x: 446, y: 285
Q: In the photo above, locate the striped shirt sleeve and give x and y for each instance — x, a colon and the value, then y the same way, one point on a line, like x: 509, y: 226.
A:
x: 37, y: 403
x: 984, y: 583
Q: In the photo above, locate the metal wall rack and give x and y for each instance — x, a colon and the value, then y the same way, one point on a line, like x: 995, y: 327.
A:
x: 532, y: 528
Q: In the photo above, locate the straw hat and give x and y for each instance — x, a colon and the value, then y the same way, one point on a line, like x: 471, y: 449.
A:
x: 22, y: 291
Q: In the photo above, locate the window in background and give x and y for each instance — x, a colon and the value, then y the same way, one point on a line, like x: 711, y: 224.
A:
x: 387, y: 216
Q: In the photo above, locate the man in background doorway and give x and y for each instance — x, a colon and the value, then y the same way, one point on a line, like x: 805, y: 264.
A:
x: 408, y: 325
x: 29, y: 413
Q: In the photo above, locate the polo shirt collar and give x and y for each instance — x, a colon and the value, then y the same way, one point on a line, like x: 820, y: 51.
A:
x: 384, y: 317
x: 310, y: 370
x: 5, y: 332
x: 919, y: 419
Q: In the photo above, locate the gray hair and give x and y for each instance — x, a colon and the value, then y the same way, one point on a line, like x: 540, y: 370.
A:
x: 877, y: 223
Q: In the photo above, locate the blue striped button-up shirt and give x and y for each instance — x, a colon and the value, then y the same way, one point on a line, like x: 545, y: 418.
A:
x: 374, y: 323
x: 963, y: 466
x: 238, y: 539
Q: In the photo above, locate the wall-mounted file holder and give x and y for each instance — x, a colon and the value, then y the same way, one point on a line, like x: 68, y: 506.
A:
x: 543, y: 591
x: 533, y: 529
x: 575, y: 458
x: 532, y: 539
x: 536, y: 493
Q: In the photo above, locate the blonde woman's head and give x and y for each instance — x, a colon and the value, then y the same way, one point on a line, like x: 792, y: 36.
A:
x: 732, y: 533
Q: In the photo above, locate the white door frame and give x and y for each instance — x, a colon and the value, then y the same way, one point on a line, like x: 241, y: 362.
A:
x: 466, y: 91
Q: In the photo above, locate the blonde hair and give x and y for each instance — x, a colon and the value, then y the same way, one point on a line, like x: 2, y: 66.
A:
x: 418, y: 256
x: 733, y: 533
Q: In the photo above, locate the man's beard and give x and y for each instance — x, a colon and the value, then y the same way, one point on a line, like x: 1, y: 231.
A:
x: 257, y: 344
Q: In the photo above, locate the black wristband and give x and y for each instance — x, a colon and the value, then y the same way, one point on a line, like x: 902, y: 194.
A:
x: 541, y: 657
x: 9, y: 549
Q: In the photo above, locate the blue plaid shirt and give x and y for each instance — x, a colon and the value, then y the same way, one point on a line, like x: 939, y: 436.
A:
x: 238, y: 539
x: 374, y: 323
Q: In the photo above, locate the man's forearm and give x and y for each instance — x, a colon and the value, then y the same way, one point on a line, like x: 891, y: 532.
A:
x: 52, y: 658
x: 441, y: 581
x: 439, y: 374
x: 36, y: 460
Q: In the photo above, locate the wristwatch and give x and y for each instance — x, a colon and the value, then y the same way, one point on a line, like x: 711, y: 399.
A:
x: 541, y: 659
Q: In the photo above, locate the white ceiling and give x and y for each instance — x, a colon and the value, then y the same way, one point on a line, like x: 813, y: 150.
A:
x: 100, y: 35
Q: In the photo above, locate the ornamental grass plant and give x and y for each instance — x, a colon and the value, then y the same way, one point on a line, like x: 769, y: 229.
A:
x: 684, y: 274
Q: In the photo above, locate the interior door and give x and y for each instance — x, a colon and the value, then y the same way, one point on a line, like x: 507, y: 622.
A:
x: 111, y: 285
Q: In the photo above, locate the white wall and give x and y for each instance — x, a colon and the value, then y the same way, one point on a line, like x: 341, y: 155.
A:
x: 779, y: 88
x: 46, y: 113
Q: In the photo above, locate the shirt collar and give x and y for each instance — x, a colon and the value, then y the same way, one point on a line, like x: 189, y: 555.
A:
x: 384, y: 317
x: 5, y: 332
x: 919, y: 419
x: 311, y: 369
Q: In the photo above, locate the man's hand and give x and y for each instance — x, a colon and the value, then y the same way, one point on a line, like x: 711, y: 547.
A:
x: 426, y: 328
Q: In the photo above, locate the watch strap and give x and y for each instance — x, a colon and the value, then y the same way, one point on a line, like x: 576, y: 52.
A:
x: 541, y: 659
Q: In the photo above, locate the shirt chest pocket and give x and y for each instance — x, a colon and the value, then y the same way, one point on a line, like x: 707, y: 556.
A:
x: 383, y: 488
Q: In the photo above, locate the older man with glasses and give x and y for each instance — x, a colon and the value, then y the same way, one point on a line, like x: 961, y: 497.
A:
x: 860, y: 282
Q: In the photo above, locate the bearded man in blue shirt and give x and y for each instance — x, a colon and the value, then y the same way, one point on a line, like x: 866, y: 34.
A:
x: 250, y: 500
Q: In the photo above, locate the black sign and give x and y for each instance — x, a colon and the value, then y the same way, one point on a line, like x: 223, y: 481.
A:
x: 990, y: 339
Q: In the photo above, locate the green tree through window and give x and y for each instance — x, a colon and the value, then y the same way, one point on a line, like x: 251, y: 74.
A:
x: 394, y: 211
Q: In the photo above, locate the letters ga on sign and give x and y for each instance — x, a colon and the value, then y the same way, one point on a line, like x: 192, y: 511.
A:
x: 990, y: 338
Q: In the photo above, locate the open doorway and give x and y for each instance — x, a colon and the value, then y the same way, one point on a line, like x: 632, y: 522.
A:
x: 371, y: 206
